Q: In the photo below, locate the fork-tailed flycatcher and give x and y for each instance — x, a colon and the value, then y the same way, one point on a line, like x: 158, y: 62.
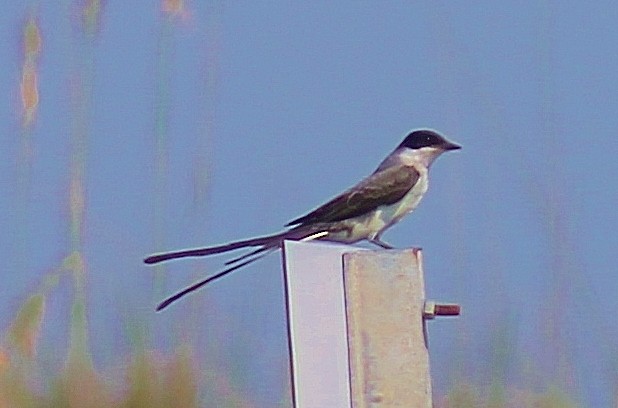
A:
x: 362, y: 212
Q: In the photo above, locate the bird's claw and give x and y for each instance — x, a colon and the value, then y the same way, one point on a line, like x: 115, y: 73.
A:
x: 381, y: 243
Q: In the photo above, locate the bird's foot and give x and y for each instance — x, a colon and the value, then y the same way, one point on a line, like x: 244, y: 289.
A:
x: 380, y: 243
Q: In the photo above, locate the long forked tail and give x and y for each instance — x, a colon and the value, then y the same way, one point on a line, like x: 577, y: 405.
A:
x: 206, y: 281
x: 266, y: 245
x: 267, y: 241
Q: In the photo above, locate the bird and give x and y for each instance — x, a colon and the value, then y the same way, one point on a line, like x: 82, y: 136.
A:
x: 362, y: 212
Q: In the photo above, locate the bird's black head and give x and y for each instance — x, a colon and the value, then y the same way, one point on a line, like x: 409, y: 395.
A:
x: 427, y: 138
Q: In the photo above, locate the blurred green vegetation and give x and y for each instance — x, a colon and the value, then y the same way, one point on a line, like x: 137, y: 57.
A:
x: 151, y: 379
x: 468, y: 396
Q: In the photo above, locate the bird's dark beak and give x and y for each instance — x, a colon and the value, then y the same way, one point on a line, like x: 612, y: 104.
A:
x: 450, y: 146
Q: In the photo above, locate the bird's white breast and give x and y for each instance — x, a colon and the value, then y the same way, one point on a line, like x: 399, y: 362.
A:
x: 410, y: 201
x: 369, y: 225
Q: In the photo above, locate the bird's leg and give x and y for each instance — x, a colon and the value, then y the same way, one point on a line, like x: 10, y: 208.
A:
x: 377, y: 241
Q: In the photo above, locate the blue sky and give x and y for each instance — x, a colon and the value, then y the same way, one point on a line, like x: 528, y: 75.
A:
x: 265, y: 111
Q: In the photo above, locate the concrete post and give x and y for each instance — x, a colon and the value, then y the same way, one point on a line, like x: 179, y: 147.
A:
x: 356, y: 324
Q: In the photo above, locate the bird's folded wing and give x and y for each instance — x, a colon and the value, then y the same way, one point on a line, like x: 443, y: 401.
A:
x: 383, y: 188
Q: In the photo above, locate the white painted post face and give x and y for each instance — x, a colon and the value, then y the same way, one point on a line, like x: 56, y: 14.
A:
x: 317, y: 324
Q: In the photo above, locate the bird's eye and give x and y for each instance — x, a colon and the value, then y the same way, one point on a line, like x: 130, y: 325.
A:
x: 430, y: 140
